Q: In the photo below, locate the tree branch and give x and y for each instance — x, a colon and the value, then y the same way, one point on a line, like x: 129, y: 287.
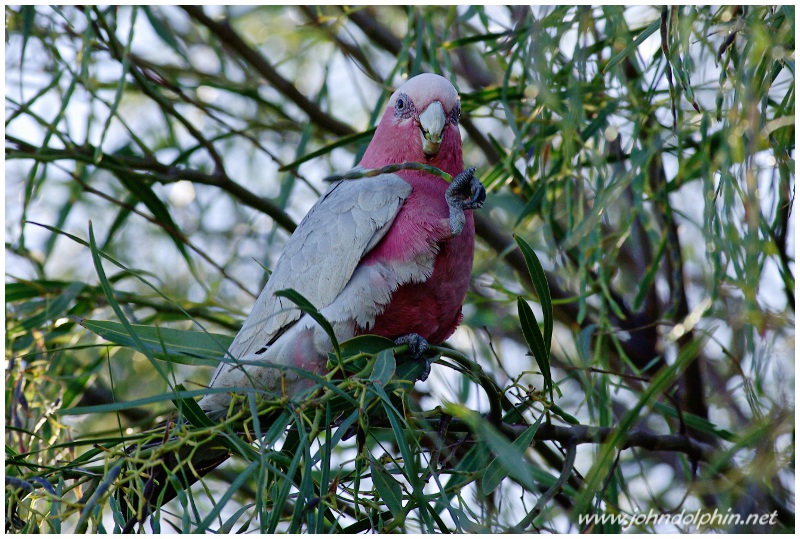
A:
x: 374, y: 30
x: 582, y: 434
x: 353, y: 51
x: 233, y: 41
x: 149, y: 169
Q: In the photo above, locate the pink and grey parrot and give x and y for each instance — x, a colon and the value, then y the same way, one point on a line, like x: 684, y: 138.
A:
x: 389, y: 254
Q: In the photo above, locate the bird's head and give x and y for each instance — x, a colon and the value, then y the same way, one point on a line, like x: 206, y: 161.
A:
x: 420, y: 124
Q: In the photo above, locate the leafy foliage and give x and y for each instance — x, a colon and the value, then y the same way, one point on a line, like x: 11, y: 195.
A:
x: 637, y: 240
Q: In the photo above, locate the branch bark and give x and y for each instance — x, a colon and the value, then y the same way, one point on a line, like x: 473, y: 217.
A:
x: 582, y: 434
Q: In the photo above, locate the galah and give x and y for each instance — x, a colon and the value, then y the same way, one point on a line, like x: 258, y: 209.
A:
x: 389, y: 254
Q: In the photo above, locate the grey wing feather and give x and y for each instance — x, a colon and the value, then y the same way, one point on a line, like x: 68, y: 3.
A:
x: 322, y: 254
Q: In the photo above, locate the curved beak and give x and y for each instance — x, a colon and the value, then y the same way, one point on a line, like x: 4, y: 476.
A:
x: 431, y: 125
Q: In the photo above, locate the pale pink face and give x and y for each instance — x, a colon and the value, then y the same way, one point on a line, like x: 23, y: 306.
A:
x: 420, y: 124
x: 431, y: 104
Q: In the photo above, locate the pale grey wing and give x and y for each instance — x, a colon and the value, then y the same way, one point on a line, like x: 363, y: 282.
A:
x: 322, y: 254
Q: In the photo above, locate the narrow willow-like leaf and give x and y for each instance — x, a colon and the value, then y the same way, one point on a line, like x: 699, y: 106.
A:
x: 658, y: 385
x: 384, y: 367
x: 191, y: 410
x: 220, y: 503
x: 94, y: 503
x: 387, y: 488
x: 367, y: 344
x: 696, y: 422
x: 466, y: 470
x: 109, y: 292
x: 507, y: 455
x: 144, y: 193
x: 180, y: 346
x: 161, y: 28
x: 396, y: 420
x: 284, y: 488
x: 308, y: 308
x: 305, y: 491
x: 358, y: 173
x: 650, y: 275
x: 327, y: 149
x: 633, y: 45
x: 57, y: 307
x: 539, y: 279
x: 584, y: 344
x: 495, y: 473
x: 124, y: 405
x: 227, y: 526
x: 533, y: 336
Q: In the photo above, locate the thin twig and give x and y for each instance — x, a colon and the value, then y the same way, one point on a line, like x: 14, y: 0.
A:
x: 547, y: 497
x: 177, y: 234
x: 233, y: 41
x: 388, y: 169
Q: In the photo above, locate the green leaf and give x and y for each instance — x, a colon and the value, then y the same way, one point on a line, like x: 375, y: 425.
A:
x: 539, y: 279
x: 366, y: 344
x: 696, y: 422
x: 649, y: 277
x: 96, y: 499
x: 283, y: 491
x: 308, y: 308
x: 657, y: 386
x: 28, y: 13
x: 533, y: 336
x: 191, y: 410
x: 109, y: 293
x: 495, y: 473
x: 384, y: 367
x: 508, y: 456
x: 470, y: 465
x: 126, y: 405
x: 584, y: 344
x: 387, y: 488
x: 397, y: 421
x: 220, y: 504
x: 325, y: 150
x: 175, y: 345
x: 145, y: 195
x: 31, y: 289
x: 633, y: 45
x: 227, y: 526
x: 460, y: 42
x: 165, y: 33
x: 57, y: 307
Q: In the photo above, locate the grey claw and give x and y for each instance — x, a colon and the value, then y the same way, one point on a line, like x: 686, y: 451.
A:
x: 417, y: 345
x: 460, y: 183
x: 464, y: 193
x: 478, y: 196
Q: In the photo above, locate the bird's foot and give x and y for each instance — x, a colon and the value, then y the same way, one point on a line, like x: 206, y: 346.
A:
x: 417, y: 345
x: 464, y: 193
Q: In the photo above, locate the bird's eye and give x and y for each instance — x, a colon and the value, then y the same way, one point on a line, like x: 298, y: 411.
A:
x: 456, y: 114
x: 403, y: 107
